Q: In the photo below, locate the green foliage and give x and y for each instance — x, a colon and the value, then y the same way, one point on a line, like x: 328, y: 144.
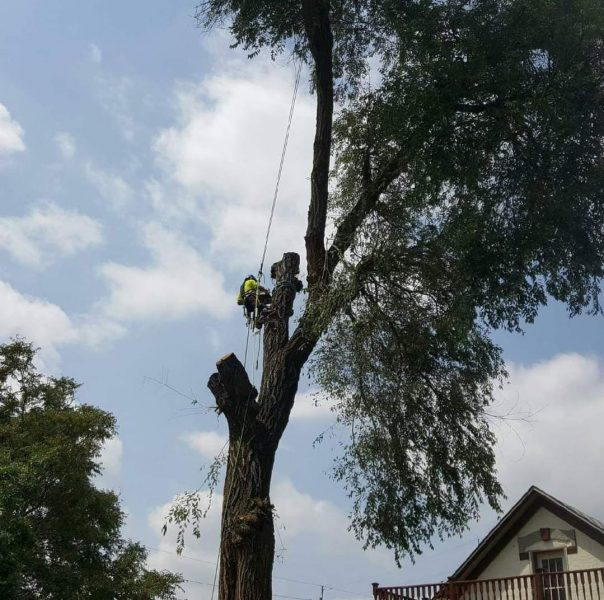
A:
x: 59, y: 534
x: 493, y: 113
x: 190, y: 508
x: 278, y: 25
x: 412, y: 372
x: 496, y: 111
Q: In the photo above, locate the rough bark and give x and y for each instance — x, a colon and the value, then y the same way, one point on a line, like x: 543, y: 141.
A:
x: 256, y: 423
x: 320, y: 40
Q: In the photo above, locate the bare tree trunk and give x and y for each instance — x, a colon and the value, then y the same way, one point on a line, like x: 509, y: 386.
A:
x: 256, y: 424
x: 247, y: 543
x: 320, y: 41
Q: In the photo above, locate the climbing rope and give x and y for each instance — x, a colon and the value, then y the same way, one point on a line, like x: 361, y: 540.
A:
x: 252, y: 324
x: 276, y: 192
x: 281, y: 163
x: 247, y: 343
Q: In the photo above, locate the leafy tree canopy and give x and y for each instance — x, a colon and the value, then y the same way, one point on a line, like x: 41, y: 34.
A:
x: 59, y: 534
x: 468, y: 188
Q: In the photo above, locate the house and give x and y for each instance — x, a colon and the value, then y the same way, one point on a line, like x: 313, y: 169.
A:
x: 542, y: 549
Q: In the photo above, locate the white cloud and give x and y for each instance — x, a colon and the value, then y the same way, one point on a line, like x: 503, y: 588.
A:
x: 199, y: 559
x: 96, y: 330
x: 179, y: 282
x: 48, y: 327
x: 311, y: 406
x: 207, y: 443
x: 225, y: 150
x: 305, y: 518
x: 66, y: 144
x: 115, y: 190
x: 175, y: 205
x: 46, y: 231
x: 96, y: 55
x: 39, y: 321
x: 559, y: 447
x: 11, y: 133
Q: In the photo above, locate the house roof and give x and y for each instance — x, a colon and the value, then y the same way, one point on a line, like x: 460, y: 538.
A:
x: 512, y: 522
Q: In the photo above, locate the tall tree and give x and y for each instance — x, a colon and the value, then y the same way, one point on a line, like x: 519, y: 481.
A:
x: 467, y: 190
x: 59, y: 534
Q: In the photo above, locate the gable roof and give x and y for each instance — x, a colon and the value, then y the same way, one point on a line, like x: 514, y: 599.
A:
x: 512, y: 522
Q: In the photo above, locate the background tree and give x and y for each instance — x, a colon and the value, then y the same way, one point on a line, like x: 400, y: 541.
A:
x: 467, y: 191
x: 59, y: 534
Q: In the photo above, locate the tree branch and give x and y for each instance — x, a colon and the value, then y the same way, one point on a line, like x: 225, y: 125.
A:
x: 320, y: 39
x: 307, y: 334
x: 235, y: 395
x: 365, y: 204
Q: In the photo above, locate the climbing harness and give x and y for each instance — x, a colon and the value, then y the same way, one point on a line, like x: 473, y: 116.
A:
x: 251, y: 325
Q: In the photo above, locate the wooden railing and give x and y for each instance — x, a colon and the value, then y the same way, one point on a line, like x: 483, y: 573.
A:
x: 587, y: 584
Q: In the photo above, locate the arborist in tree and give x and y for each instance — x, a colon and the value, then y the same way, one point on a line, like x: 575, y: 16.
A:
x: 249, y: 291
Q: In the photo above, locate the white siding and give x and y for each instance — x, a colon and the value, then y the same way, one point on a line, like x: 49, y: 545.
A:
x: 590, y: 554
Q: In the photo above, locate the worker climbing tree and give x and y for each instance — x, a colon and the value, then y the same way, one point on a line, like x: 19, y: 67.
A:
x: 467, y: 190
x: 255, y: 300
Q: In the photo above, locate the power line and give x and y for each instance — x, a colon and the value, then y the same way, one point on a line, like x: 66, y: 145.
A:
x: 335, y: 589
x: 274, y: 595
x: 327, y: 586
x: 297, y: 581
x: 199, y: 560
x: 288, y: 579
x: 197, y: 582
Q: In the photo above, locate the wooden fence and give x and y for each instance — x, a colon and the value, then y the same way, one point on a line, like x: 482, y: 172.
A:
x: 566, y: 585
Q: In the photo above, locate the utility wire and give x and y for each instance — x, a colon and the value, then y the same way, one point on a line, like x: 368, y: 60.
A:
x: 197, y: 582
x: 274, y: 595
x: 288, y: 579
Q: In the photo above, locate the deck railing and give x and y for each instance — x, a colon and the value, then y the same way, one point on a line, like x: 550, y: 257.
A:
x: 587, y: 584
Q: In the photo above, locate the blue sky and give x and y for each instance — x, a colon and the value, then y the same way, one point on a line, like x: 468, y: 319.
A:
x: 137, y: 161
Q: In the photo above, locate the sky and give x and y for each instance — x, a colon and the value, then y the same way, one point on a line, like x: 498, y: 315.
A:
x: 138, y: 157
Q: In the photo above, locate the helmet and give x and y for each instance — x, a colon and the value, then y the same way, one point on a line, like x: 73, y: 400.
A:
x: 250, y: 277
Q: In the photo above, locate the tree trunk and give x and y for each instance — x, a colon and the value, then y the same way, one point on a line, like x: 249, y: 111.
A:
x: 256, y: 423
x: 247, y: 542
x: 255, y: 427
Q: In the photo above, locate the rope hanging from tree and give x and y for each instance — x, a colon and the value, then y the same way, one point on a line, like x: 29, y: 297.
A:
x: 252, y: 324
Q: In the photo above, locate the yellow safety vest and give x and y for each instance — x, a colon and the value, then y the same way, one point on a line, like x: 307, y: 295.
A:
x: 249, y: 285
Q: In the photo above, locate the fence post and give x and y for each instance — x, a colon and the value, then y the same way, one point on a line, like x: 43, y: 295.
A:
x: 452, y: 590
x: 538, y: 584
x: 375, y: 589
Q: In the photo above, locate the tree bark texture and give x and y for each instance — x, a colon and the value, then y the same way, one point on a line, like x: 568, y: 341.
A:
x: 320, y: 40
x: 256, y: 423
